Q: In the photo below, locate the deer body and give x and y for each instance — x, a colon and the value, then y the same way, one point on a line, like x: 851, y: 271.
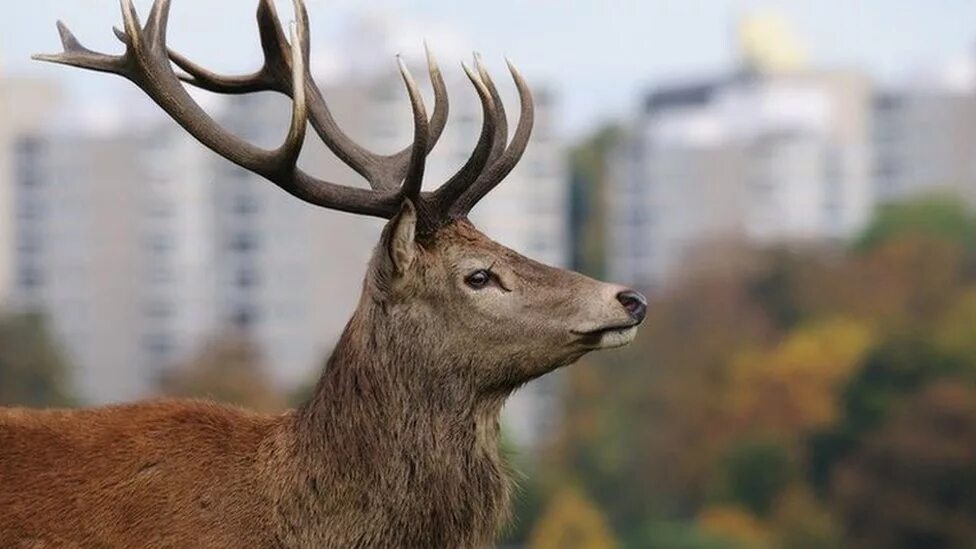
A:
x: 399, y: 444
x: 178, y: 473
x: 163, y: 474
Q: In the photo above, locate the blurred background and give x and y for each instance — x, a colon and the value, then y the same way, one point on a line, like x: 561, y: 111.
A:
x: 792, y: 184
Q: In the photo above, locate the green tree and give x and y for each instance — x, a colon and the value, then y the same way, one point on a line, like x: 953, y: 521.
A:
x: 913, y: 483
x: 33, y: 371
x: 941, y: 216
x: 663, y: 534
x: 892, y: 373
x: 801, y: 521
x: 755, y: 473
x: 589, y: 175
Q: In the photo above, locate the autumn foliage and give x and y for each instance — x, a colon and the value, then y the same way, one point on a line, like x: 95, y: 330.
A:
x: 808, y: 397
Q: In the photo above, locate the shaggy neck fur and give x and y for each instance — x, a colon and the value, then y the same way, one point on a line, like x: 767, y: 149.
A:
x: 413, y: 458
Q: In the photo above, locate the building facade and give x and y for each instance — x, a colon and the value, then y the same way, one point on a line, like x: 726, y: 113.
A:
x: 924, y: 137
x: 761, y: 157
x: 25, y: 105
x: 77, y: 254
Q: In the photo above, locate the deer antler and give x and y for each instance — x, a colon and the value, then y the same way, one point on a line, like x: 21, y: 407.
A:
x: 381, y: 171
x: 392, y: 178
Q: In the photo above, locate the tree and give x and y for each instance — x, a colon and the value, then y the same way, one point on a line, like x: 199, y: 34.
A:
x: 891, y: 374
x: 913, y: 484
x: 791, y: 389
x: 944, y: 217
x: 735, y: 526
x: 572, y: 522
x: 802, y: 522
x: 33, y: 371
x: 228, y: 368
x: 755, y: 473
x: 589, y: 174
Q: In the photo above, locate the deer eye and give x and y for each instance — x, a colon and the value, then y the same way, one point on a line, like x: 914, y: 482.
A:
x: 478, y: 279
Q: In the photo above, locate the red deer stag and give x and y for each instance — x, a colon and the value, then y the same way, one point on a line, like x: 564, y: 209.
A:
x: 398, y: 446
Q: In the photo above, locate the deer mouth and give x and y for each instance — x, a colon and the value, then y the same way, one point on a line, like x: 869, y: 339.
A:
x: 610, y: 336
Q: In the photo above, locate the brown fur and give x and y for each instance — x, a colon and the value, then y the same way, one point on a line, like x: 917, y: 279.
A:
x: 398, y: 447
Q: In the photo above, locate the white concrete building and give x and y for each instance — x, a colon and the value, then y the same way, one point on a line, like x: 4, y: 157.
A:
x: 775, y: 152
x: 25, y: 104
x: 761, y: 157
x: 77, y: 254
x: 175, y: 272
x: 924, y: 134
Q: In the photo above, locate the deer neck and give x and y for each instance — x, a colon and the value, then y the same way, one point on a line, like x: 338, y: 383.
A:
x: 371, y: 389
x: 424, y: 447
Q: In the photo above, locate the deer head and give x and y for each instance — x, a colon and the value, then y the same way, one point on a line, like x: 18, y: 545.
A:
x: 438, y: 279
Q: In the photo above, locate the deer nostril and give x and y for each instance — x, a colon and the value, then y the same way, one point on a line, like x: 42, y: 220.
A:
x: 635, y: 303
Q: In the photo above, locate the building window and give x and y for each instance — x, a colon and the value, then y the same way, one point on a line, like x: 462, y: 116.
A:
x: 245, y: 204
x: 244, y: 242
x: 159, y: 309
x: 161, y: 274
x: 160, y: 208
x: 29, y: 244
x: 887, y: 168
x: 244, y: 317
x: 28, y: 153
x: 158, y: 346
x: 246, y: 278
x: 236, y: 172
x: 160, y: 242
x: 30, y: 278
x: 30, y: 209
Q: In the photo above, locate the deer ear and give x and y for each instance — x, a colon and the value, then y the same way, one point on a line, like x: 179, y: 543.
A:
x: 401, y: 245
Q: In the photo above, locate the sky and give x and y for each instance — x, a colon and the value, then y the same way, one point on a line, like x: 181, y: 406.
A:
x: 600, y: 56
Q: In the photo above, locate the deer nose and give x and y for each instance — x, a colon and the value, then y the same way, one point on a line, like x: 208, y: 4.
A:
x: 635, y: 303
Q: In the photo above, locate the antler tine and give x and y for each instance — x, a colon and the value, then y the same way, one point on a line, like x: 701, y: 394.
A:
x: 421, y: 133
x: 445, y: 196
x: 498, y: 170
x: 146, y: 63
x: 157, y: 23
x: 292, y: 147
x: 441, y: 105
x: 130, y: 20
x: 76, y: 55
x: 270, y: 77
x: 381, y: 171
x: 501, y: 129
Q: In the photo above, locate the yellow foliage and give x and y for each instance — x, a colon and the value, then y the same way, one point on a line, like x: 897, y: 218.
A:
x: 734, y: 524
x: 801, y: 521
x: 791, y: 388
x: 956, y: 331
x: 572, y: 521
